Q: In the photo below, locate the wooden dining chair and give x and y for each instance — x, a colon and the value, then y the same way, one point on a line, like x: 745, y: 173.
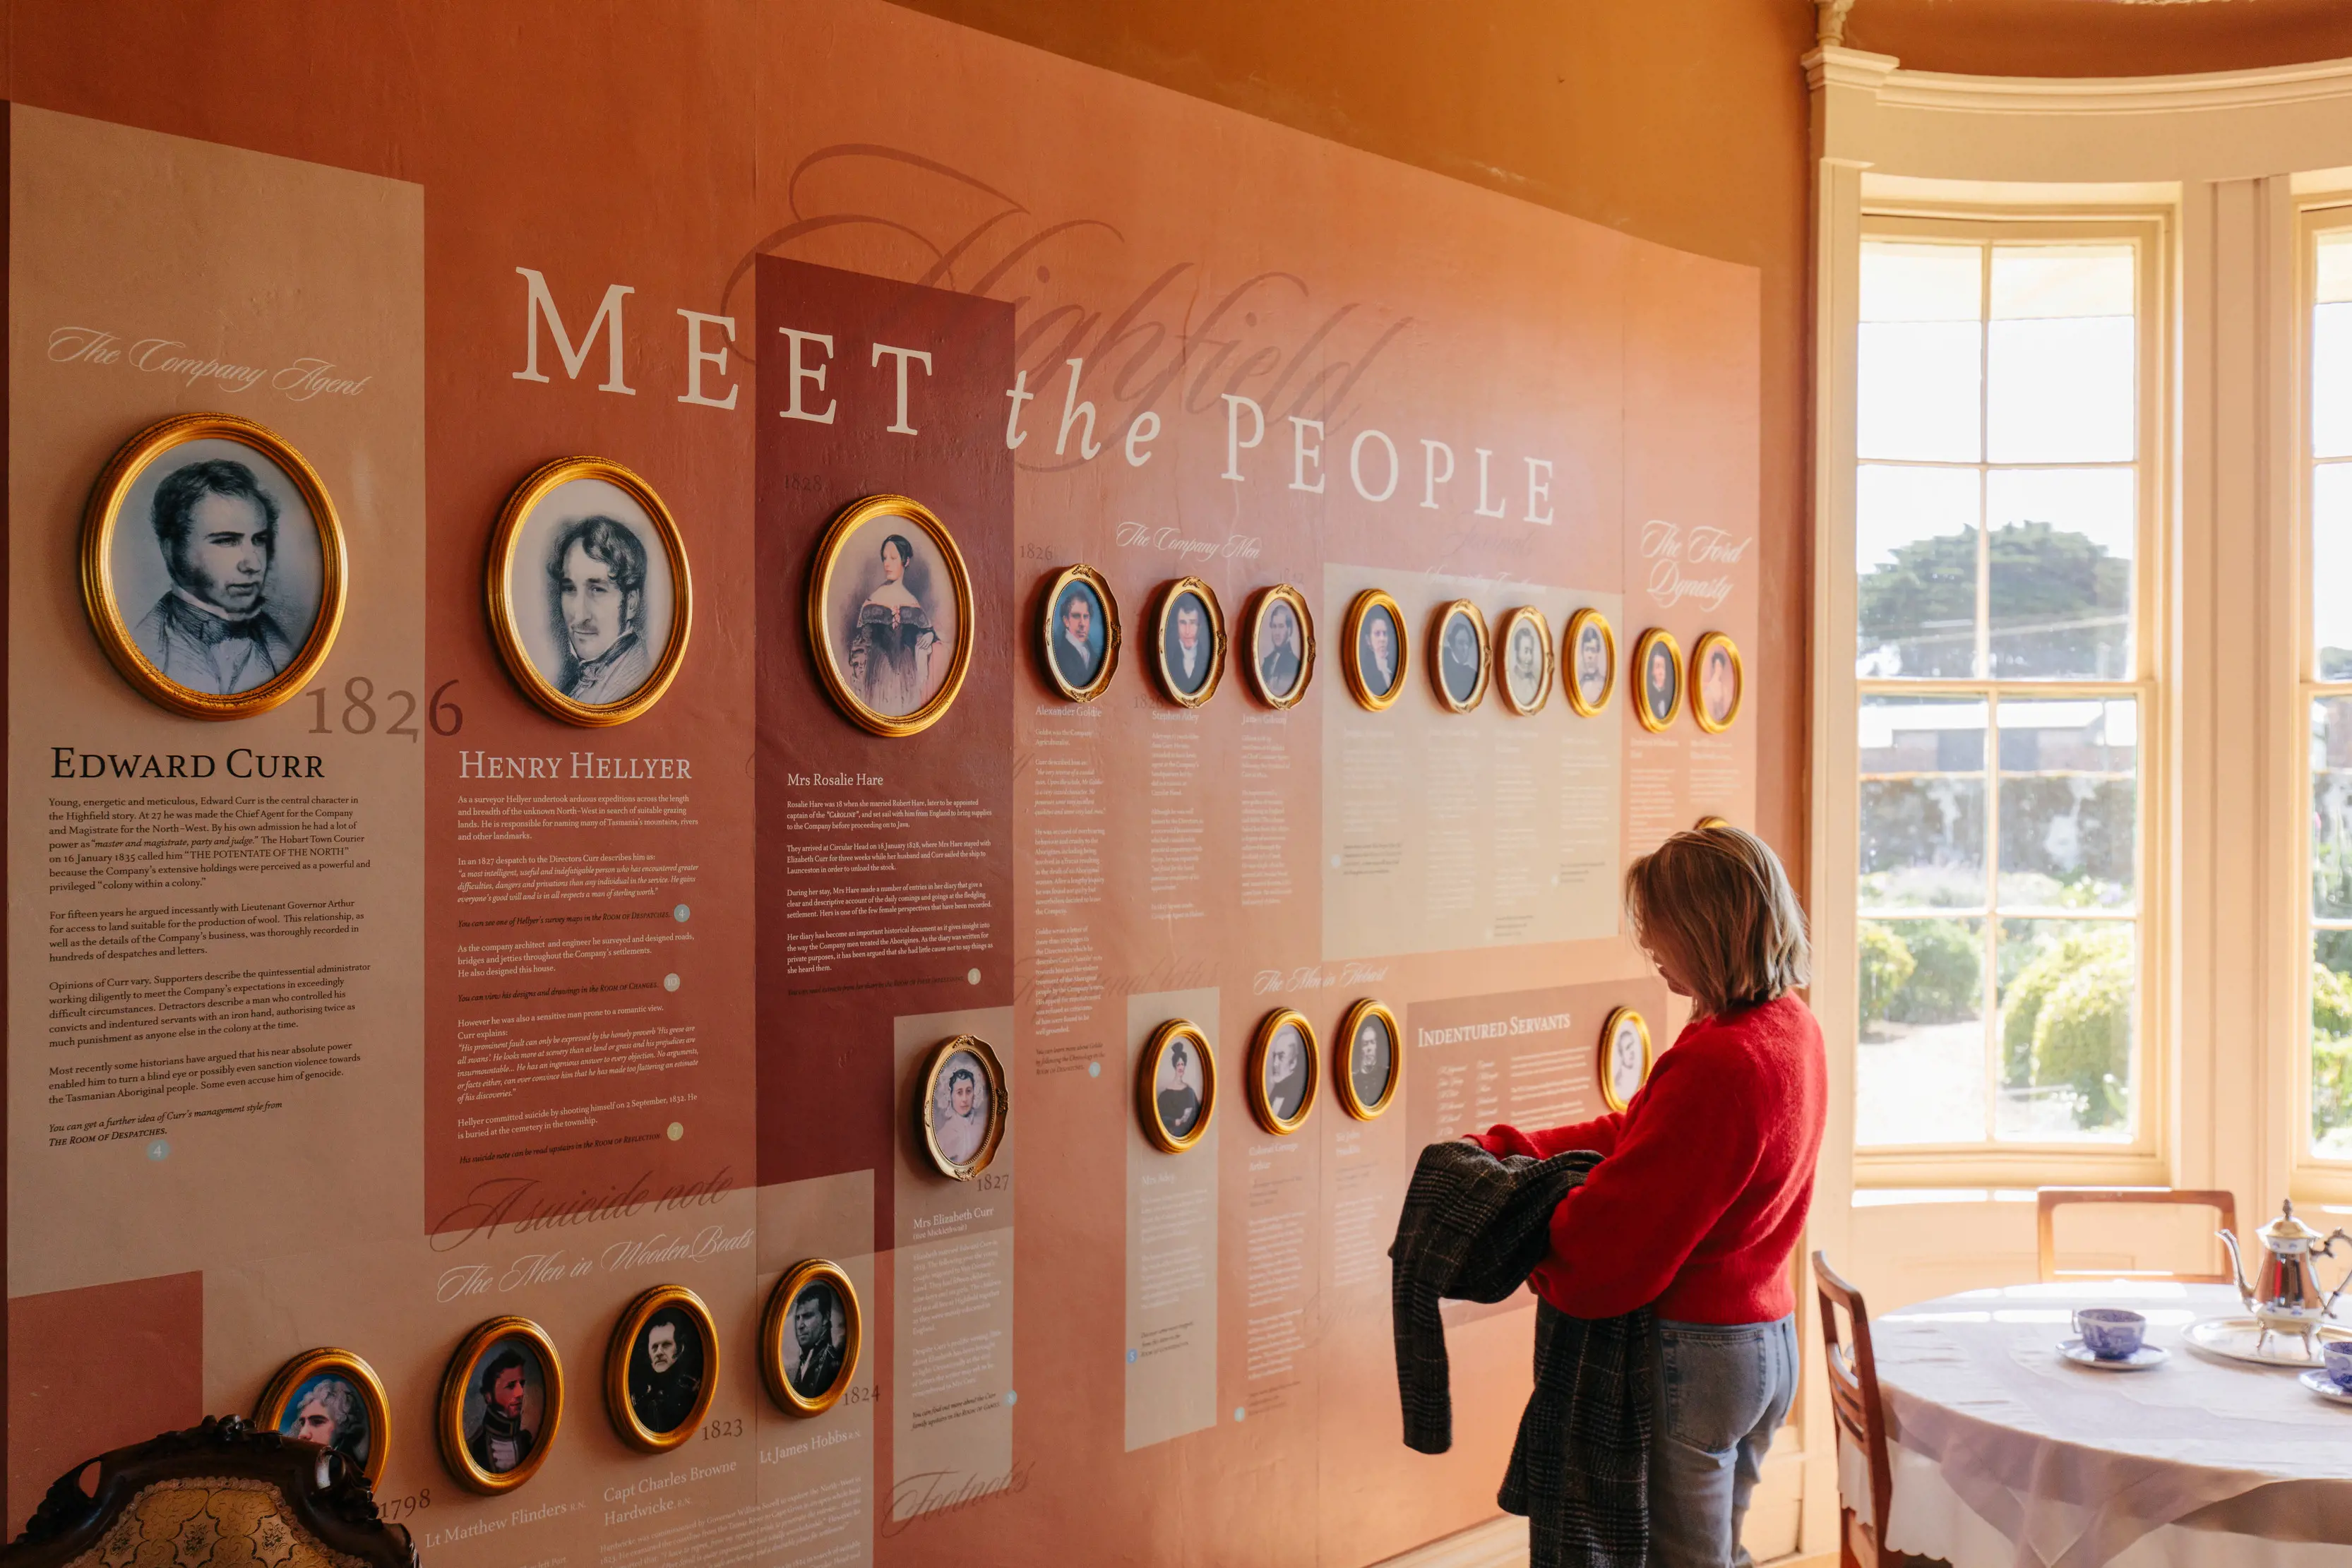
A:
x: 1861, y: 1416
x: 2048, y: 1200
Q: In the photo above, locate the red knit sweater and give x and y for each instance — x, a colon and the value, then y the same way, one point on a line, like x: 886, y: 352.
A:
x: 1709, y: 1175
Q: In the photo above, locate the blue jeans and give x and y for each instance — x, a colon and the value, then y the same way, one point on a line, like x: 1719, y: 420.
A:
x: 1723, y: 1390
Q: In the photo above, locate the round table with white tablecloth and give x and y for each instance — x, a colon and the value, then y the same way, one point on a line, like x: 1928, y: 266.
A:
x: 2007, y: 1456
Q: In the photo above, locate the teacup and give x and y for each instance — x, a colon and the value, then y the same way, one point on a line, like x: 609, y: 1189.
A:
x: 2111, y: 1334
x: 2339, y: 1353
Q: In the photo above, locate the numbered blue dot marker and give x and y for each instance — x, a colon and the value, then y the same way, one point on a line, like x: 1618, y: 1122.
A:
x: 1012, y: 1396
x: 1094, y: 1069
x: 681, y: 914
x: 1241, y: 1413
x: 161, y: 1149
x: 1130, y: 1358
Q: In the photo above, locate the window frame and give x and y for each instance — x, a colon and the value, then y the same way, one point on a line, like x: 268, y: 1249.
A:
x: 2145, y: 1159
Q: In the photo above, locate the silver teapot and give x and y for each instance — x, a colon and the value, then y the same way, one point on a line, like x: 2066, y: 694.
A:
x: 2285, y: 1296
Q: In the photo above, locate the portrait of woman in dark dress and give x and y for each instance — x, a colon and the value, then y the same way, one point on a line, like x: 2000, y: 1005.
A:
x: 895, y: 661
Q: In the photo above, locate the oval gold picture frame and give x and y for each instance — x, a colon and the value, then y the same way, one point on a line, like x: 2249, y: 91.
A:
x: 1253, y: 655
x: 1707, y: 643
x: 450, y: 1414
x: 1261, y: 1095
x: 776, y: 1324
x: 506, y: 625
x: 619, y: 1400
x: 1364, y: 1110
x: 1050, y: 650
x: 837, y: 535
x: 1570, y: 638
x: 1351, y: 660
x: 1529, y: 616
x: 1608, y: 1051
x: 1480, y: 640
x: 277, y: 1402
x: 1654, y: 638
x: 926, y: 1095
x: 1148, y: 1073
x: 100, y: 593
x: 1162, y: 610
x: 1710, y: 821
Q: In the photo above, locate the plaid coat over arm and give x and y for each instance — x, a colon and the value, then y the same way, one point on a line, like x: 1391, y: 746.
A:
x: 1473, y: 1226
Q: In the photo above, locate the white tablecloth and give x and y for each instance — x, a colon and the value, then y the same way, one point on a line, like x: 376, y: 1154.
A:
x: 2007, y: 1456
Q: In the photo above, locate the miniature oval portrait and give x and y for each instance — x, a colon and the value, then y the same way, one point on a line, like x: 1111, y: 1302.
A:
x: 1370, y: 1067
x: 212, y: 566
x: 890, y: 614
x: 590, y: 596
x: 501, y: 1402
x: 1718, y: 681
x: 810, y: 1338
x: 1373, y: 650
x: 661, y: 1369
x: 1281, y: 653
x: 1588, y: 654
x: 1523, y: 650
x: 1461, y: 667
x: 1189, y: 642
x: 1176, y: 1085
x: 334, y: 1399
x: 1284, y: 1067
x: 1081, y: 633
x: 959, y: 1108
x: 1625, y: 1056
x: 1657, y: 679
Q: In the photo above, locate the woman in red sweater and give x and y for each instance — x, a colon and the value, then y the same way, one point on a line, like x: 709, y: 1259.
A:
x: 1709, y: 1175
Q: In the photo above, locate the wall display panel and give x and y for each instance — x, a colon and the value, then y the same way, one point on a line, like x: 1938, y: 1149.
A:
x: 528, y: 1018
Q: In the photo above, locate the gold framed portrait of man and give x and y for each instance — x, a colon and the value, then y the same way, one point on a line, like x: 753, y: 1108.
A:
x: 810, y: 1338
x: 1626, y: 1056
x: 1523, y: 660
x: 1374, y: 650
x: 1462, y: 665
x: 890, y: 615
x: 501, y: 1404
x: 1588, y: 663
x: 1285, y: 1071
x: 661, y: 1369
x: 1188, y: 642
x: 1079, y: 631
x: 590, y: 596
x: 1280, y: 653
x: 333, y: 1398
x: 961, y: 1105
x: 213, y: 566
x: 1176, y: 1086
x: 1657, y: 680
x: 1370, y: 1067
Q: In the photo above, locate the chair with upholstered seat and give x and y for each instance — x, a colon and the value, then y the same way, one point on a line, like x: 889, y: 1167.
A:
x: 225, y: 1493
x: 1861, y: 1416
x: 2048, y: 1200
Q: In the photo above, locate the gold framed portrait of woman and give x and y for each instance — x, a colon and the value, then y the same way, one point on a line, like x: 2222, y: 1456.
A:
x: 1626, y: 1056
x: 501, y: 1404
x: 890, y: 615
x: 1188, y: 642
x: 334, y: 1399
x: 1374, y: 650
x: 213, y: 567
x: 1176, y: 1086
x: 661, y: 1369
x: 1369, y: 1066
x: 590, y: 596
x: 1280, y: 655
x: 1462, y: 665
x: 1718, y: 681
x: 1657, y: 680
x: 1079, y: 629
x: 1588, y: 663
x: 961, y: 1105
x: 810, y: 1338
x: 1285, y: 1071
x: 1523, y: 660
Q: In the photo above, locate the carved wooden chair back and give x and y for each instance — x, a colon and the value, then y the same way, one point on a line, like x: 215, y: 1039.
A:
x: 1861, y: 1416
x: 2048, y: 1200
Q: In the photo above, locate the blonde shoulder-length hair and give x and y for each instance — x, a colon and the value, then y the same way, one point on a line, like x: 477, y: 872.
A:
x: 1718, y: 902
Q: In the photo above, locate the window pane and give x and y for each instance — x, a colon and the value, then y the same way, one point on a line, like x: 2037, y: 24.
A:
x: 2061, y: 571
x: 2331, y: 348
x: 1917, y: 391
x: 1919, y: 1067
x: 1915, y: 553
x: 2063, y: 391
x: 2331, y: 570
x: 2036, y: 282
x: 1923, y: 803
x: 2069, y: 999
x: 2331, y: 807
x: 1921, y: 282
x: 2069, y: 804
x: 2331, y: 1044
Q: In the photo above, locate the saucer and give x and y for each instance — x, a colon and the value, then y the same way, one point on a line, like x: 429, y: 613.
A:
x: 2319, y: 1383
x: 2140, y: 1360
